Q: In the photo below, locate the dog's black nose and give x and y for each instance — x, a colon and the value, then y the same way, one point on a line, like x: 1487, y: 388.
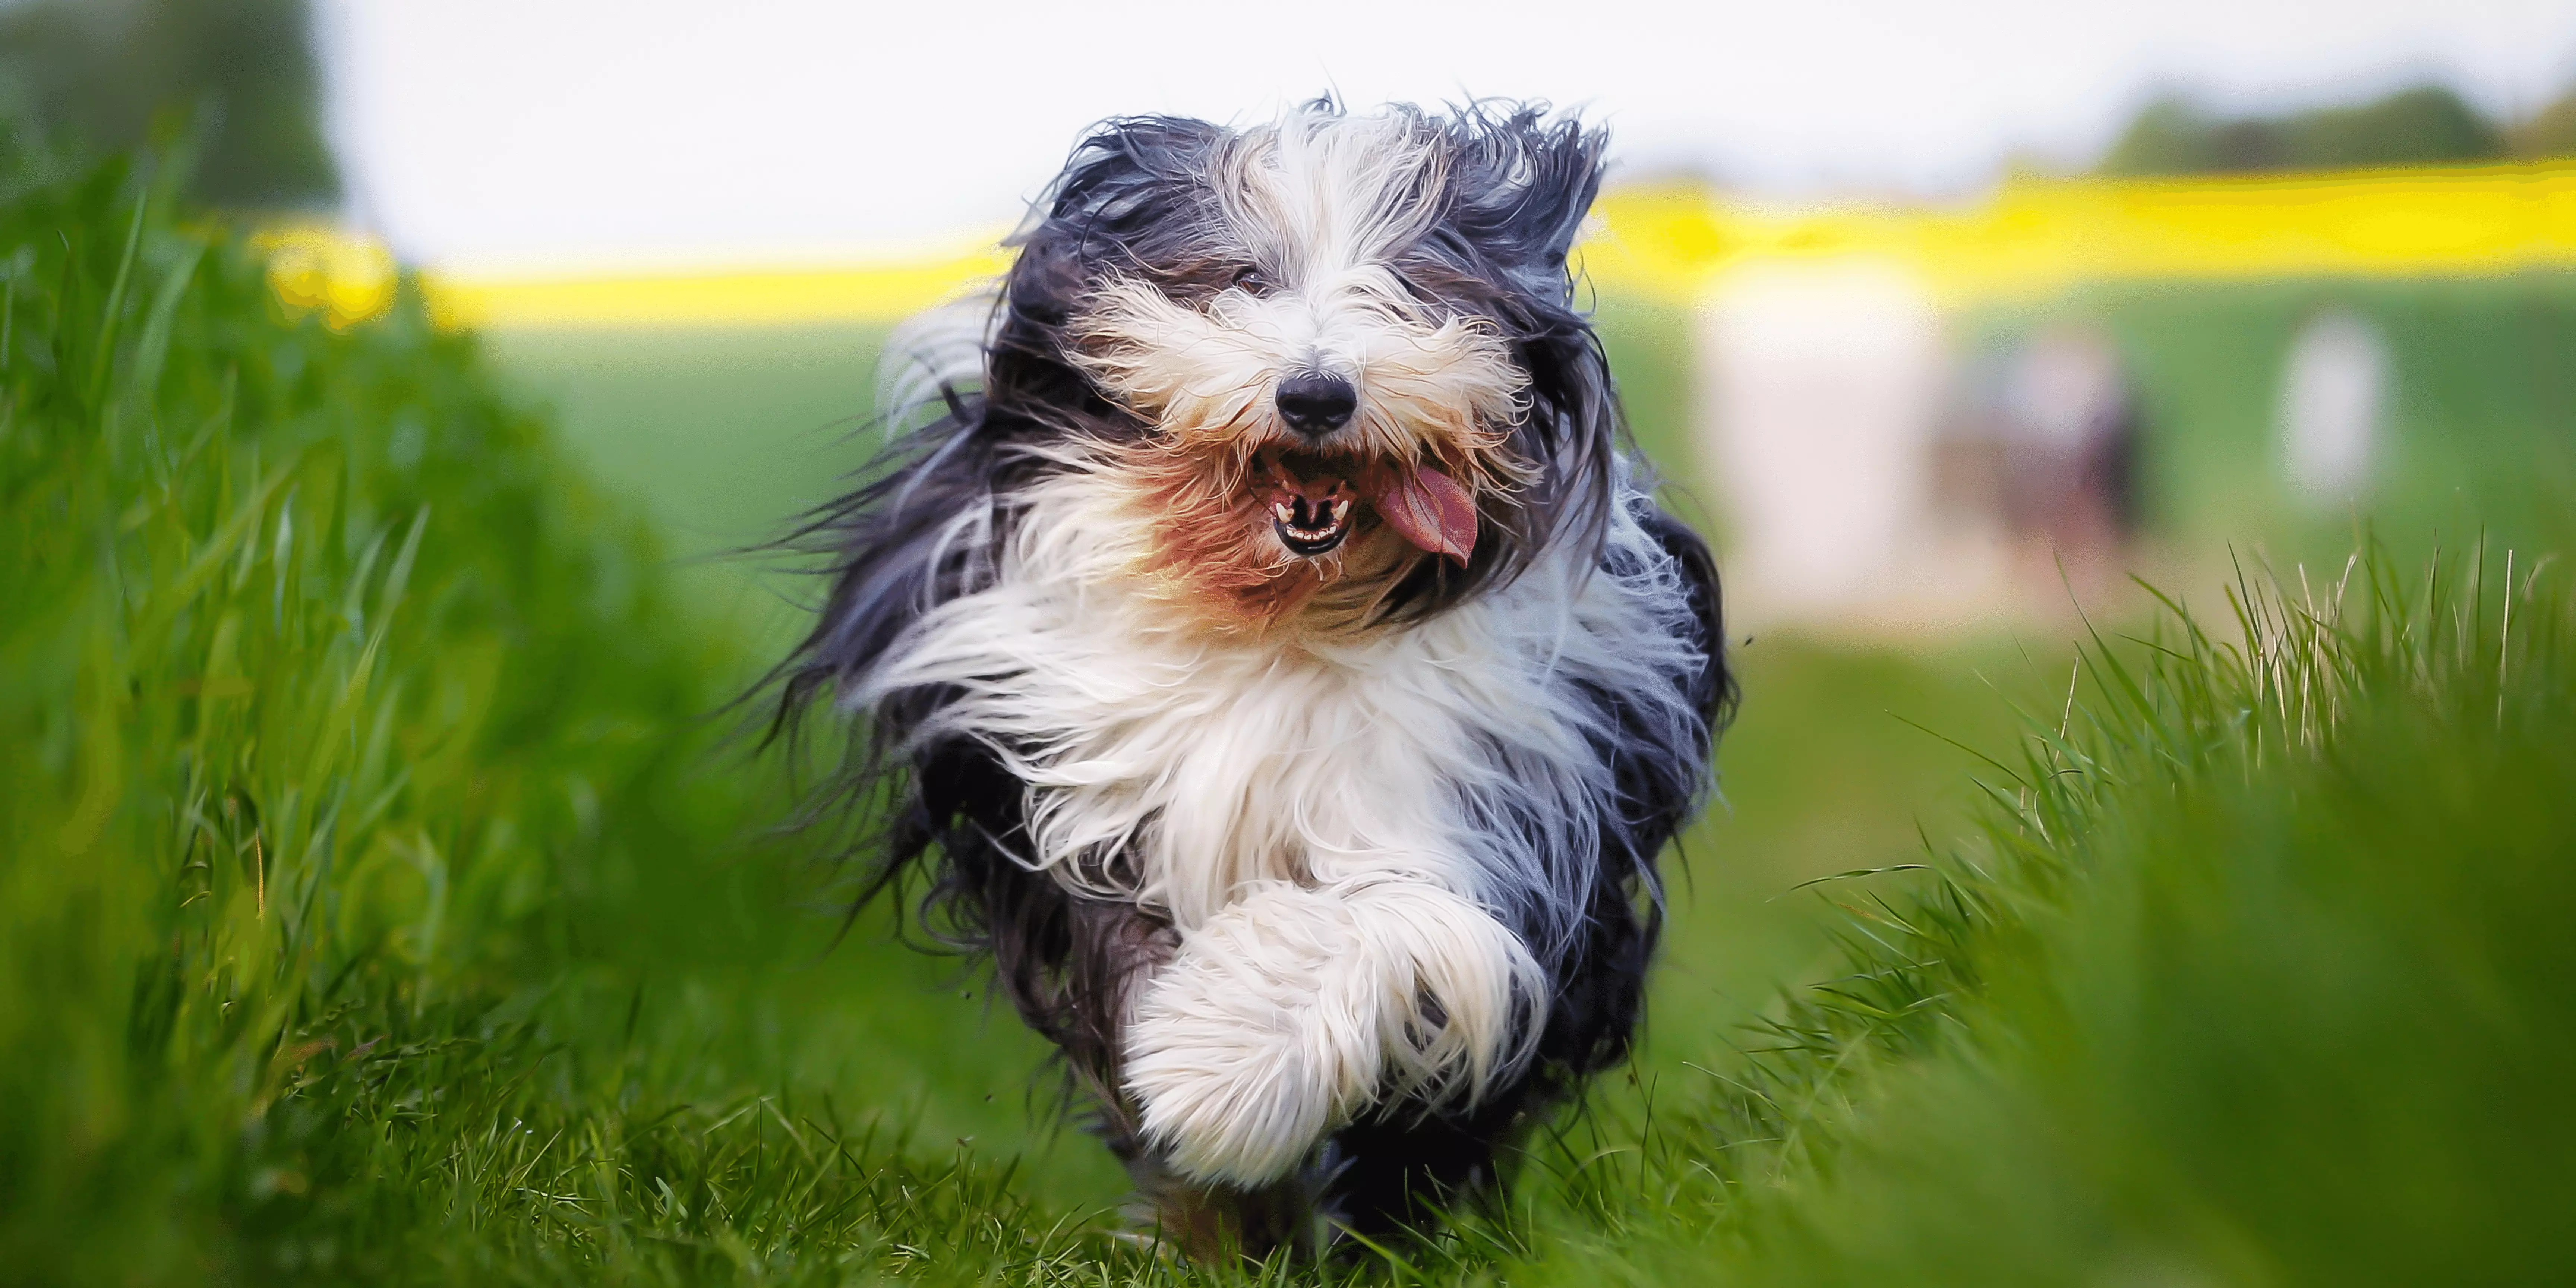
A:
x: 1316, y: 403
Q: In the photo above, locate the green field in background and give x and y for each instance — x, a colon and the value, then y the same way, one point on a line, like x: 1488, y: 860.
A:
x: 726, y: 433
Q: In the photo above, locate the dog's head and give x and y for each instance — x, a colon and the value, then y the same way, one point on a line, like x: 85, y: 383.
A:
x: 1331, y: 366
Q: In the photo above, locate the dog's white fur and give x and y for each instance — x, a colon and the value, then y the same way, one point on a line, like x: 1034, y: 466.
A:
x: 1329, y: 822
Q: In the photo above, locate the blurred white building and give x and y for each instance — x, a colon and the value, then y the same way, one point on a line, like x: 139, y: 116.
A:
x: 1821, y: 386
x: 1821, y: 383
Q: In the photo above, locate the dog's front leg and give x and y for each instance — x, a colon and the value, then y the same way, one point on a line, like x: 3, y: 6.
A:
x: 1296, y: 1007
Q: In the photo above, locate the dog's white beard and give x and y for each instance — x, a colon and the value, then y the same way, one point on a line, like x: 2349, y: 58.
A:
x: 1294, y: 1008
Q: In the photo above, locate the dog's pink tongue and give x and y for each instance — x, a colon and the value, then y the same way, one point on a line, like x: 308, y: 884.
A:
x: 1432, y: 511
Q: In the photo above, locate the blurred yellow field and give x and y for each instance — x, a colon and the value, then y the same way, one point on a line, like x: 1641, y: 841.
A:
x: 2027, y: 240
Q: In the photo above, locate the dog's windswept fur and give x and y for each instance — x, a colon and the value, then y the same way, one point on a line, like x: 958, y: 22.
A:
x: 1274, y: 663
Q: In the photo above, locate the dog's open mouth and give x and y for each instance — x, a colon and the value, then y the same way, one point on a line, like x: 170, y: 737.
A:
x: 1310, y: 526
x: 1311, y: 499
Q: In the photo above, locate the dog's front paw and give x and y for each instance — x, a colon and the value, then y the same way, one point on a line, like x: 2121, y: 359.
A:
x: 1260, y: 1037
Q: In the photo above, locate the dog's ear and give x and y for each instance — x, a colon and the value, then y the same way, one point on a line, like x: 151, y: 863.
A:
x: 1525, y: 184
x: 1130, y: 182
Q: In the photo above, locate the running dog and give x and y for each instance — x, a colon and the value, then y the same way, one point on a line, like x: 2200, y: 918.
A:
x: 1264, y: 647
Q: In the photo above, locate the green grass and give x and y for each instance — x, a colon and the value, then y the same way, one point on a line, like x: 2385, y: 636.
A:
x: 378, y: 903
x: 721, y: 435
x: 375, y: 886
x: 2253, y: 975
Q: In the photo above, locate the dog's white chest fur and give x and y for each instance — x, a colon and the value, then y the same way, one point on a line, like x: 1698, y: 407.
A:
x: 1208, y: 762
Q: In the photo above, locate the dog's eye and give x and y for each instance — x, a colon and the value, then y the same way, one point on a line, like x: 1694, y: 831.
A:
x: 1251, y: 280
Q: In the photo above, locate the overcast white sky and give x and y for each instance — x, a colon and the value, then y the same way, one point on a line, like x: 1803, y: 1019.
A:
x: 578, y: 133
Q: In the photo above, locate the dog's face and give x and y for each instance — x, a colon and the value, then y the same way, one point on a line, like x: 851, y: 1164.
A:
x: 1329, y: 365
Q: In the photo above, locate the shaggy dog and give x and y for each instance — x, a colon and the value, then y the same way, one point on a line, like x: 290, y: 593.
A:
x: 1271, y: 659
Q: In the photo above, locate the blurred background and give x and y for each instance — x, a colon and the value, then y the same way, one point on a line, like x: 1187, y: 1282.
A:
x: 1919, y: 306
x: 1944, y: 320
x: 1934, y: 314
